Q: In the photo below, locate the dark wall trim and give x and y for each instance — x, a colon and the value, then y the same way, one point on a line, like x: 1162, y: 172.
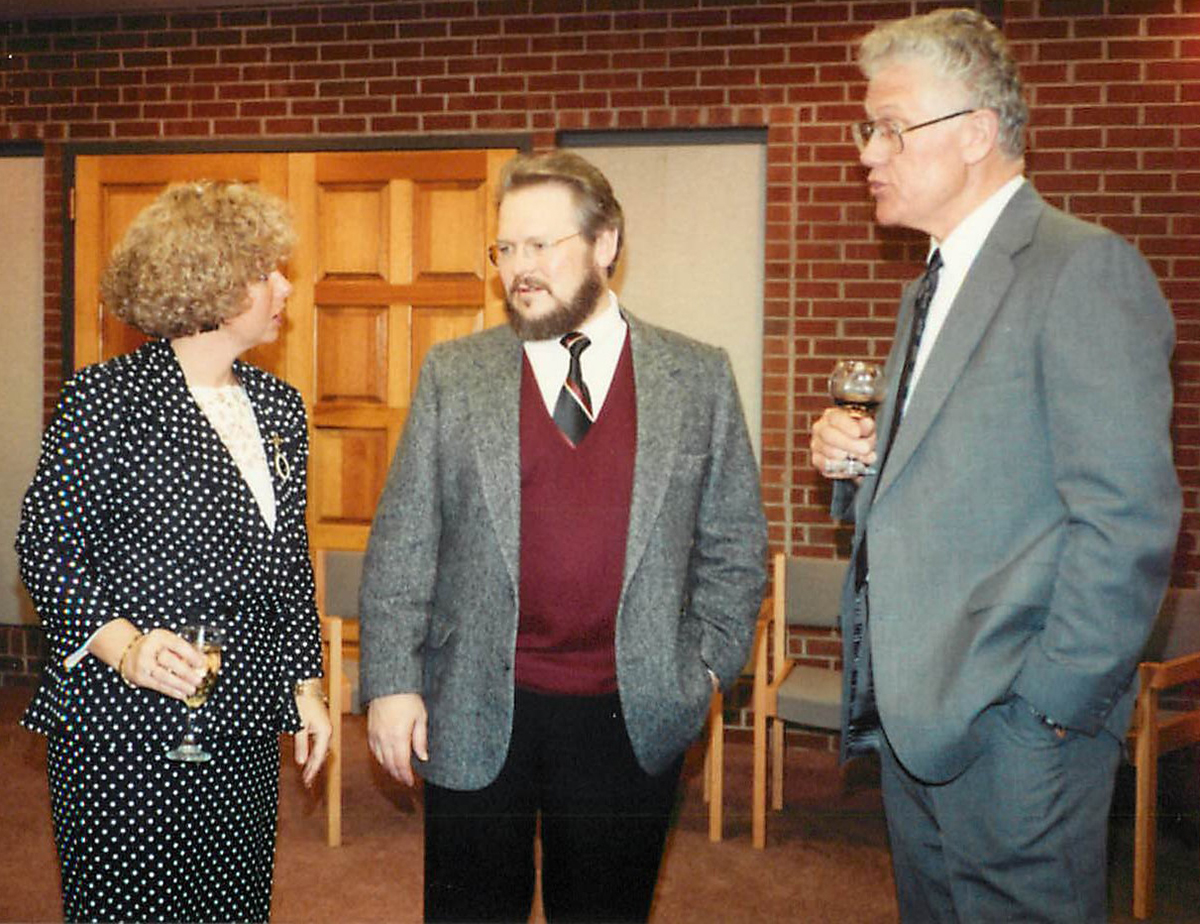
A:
x: 22, y: 149
x: 521, y: 141
x: 661, y: 137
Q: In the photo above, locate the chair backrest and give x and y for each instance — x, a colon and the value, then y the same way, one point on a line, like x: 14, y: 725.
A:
x: 1177, y: 628
x: 342, y: 577
x: 811, y: 589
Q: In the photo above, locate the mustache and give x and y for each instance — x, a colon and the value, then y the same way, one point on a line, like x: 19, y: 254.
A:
x: 527, y: 281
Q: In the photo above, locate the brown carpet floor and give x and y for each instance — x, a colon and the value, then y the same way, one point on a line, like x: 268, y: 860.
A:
x: 826, y: 859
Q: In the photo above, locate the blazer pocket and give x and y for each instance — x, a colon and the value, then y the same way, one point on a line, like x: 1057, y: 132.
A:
x: 438, y: 651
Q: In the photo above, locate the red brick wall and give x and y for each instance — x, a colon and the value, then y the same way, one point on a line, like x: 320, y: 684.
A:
x: 1115, y: 88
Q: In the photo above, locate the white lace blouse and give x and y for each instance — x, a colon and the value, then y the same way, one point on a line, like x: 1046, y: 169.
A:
x: 228, y: 410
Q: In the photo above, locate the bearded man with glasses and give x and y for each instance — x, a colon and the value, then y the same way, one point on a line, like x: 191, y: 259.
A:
x: 567, y: 560
x: 1011, y: 553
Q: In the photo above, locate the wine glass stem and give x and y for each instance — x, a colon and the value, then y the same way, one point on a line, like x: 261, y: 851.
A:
x: 188, y: 737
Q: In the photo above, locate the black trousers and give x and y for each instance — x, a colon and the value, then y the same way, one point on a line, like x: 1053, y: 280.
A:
x: 603, y: 822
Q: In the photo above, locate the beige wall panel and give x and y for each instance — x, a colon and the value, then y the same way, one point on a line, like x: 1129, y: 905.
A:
x: 353, y: 225
x: 352, y: 354
x: 21, y: 310
x: 693, y: 258
x: 433, y: 325
x: 450, y: 229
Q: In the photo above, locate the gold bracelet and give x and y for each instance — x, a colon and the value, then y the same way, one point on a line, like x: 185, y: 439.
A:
x: 121, y: 663
x: 310, y: 687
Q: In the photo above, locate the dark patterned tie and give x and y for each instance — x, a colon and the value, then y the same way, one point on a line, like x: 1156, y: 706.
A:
x: 573, y: 411
x: 925, y: 292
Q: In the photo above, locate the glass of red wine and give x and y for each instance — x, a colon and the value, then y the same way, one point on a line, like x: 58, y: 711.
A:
x: 858, y: 387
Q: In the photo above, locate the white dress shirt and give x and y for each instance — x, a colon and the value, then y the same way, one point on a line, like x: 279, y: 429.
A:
x: 550, y: 359
x: 959, y: 250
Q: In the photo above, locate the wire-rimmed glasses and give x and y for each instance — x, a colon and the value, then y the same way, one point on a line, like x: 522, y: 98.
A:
x: 891, y: 133
x: 533, y: 249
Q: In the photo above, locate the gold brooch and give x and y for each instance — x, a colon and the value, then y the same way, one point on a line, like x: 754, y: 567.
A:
x: 283, y: 468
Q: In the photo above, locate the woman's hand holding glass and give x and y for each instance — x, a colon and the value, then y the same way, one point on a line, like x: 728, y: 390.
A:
x: 163, y: 661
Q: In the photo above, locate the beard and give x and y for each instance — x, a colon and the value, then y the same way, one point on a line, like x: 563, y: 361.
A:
x: 564, y: 317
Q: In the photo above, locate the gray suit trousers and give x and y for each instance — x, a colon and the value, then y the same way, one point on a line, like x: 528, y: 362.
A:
x: 1037, y: 854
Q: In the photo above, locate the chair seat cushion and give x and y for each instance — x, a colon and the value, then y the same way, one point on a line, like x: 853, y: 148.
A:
x: 812, y: 696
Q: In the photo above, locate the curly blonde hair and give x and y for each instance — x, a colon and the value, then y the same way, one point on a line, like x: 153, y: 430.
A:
x: 187, y: 259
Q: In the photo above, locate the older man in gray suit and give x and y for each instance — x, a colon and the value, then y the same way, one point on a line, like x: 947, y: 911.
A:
x: 567, y: 560
x: 1011, y: 553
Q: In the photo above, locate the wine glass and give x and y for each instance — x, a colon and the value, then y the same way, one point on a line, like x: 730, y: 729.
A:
x: 859, y: 388
x: 209, y: 641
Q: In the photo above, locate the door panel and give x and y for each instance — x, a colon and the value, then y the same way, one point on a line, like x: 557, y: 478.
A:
x: 401, y: 265
x: 390, y: 259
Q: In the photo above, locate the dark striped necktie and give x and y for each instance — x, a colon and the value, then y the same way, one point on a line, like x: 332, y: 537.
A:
x: 573, y: 411
x: 925, y: 292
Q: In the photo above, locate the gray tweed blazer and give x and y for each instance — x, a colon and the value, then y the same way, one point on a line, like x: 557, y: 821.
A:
x: 439, y: 600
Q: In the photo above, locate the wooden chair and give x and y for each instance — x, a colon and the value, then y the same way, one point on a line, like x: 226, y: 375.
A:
x: 714, y: 754
x: 1172, y: 659
x: 337, y: 577
x: 714, y: 767
x: 807, y: 592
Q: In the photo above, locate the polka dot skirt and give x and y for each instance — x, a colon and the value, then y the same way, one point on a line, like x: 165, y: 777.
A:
x: 144, y: 838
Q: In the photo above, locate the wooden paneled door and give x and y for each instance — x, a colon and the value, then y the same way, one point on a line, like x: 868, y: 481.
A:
x: 390, y: 260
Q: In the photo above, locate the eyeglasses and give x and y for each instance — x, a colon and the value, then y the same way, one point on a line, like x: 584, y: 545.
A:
x: 892, y: 134
x: 534, y: 249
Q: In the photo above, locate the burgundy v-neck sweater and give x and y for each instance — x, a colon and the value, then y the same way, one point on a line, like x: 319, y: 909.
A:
x: 574, y: 521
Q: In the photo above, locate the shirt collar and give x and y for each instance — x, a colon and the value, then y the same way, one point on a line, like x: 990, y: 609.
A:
x: 961, y: 245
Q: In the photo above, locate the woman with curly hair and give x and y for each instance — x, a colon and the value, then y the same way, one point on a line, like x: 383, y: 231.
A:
x: 171, y: 491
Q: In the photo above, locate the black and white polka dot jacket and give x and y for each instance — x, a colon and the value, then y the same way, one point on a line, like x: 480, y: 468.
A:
x: 137, y: 510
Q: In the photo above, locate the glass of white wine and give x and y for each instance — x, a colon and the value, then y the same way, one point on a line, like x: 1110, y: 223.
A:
x: 209, y: 641
x: 858, y: 387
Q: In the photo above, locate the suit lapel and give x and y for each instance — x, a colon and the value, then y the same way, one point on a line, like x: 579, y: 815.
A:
x: 211, y: 469
x: 660, y: 402
x: 493, y: 389
x: 983, y: 291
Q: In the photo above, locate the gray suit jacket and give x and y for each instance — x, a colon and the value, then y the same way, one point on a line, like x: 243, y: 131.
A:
x: 1022, y: 530
x: 439, y: 603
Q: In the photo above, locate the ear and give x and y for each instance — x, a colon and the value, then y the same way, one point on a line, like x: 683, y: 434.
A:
x: 605, y: 249
x: 980, y: 135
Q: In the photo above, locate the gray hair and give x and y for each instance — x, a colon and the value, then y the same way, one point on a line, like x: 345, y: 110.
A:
x: 960, y: 45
